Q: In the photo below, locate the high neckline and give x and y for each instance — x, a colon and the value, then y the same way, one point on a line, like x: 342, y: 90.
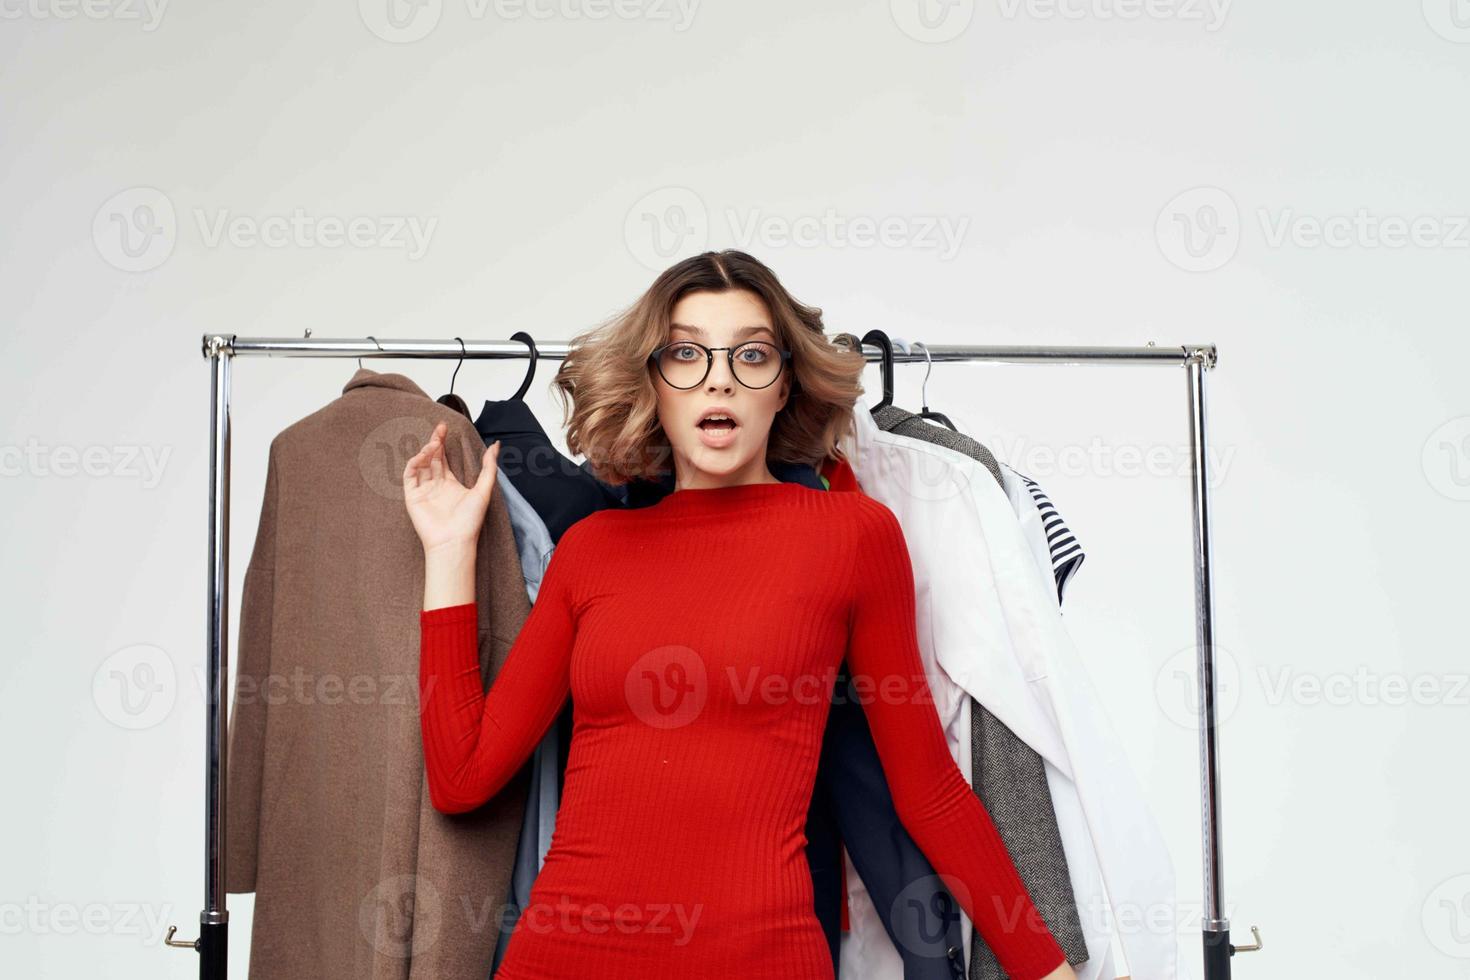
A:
x: 694, y: 499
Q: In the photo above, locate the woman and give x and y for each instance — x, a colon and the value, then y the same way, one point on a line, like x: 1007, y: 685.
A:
x: 699, y: 638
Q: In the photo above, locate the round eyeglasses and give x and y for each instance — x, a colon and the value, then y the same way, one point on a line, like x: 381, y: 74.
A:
x: 685, y: 364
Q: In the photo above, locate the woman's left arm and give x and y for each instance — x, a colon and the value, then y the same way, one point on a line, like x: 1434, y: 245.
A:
x: 938, y: 808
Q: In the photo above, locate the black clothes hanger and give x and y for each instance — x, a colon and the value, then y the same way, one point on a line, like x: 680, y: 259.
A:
x: 525, y: 338
x: 924, y: 412
x: 452, y: 400
x: 881, y: 339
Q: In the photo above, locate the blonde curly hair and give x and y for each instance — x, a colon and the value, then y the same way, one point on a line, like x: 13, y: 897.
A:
x: 606, y: 385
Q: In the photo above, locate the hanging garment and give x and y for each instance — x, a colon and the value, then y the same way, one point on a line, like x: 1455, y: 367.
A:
x: 543, y: 796
x: 561, y: 491
x: 989, y: 628
x: 1055, y: 546
x: 329, y: 821
x: 891, y: 418
x: 687, y: 789
x: 1005, y: 773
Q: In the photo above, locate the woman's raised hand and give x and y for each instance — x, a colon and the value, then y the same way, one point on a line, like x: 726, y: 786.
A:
x: 445, y: 513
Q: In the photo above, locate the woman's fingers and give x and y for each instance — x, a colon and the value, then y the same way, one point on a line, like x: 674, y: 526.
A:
x: 436, y: 452
x: 485, y: 482
x: 411, y: 471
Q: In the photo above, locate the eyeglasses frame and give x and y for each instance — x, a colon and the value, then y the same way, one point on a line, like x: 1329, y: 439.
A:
x: 709, y: 362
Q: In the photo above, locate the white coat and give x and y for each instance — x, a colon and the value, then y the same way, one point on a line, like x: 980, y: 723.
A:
x: 989, y: 627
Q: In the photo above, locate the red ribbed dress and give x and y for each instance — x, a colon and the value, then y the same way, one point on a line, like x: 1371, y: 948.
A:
x: 699, y: 639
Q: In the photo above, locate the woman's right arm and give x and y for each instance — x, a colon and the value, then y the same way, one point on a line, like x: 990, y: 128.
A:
x: 474, y: 742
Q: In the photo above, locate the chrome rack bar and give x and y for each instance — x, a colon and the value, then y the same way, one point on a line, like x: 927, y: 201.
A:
x: 221, y: 349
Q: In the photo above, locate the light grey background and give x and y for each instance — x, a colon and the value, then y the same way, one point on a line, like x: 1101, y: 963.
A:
x: 1285, y: 180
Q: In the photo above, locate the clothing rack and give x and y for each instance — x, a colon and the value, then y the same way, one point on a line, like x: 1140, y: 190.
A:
x: 220, y: 350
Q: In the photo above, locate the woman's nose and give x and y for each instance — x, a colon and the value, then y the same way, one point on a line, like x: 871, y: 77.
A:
x: 719, y: 373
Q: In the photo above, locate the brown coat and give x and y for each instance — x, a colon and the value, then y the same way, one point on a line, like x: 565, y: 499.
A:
x: 356, y: 876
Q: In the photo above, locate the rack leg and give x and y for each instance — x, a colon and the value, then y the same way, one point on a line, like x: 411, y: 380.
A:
x: 1216, y: 925
x: 214, y: 920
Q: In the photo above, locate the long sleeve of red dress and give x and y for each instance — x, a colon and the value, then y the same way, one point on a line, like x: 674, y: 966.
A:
x: 696, y: 637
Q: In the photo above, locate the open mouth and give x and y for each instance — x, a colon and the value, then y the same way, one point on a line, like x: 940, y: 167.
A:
x: 717, y: 424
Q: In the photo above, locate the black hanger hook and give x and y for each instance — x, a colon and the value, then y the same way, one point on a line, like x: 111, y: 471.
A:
x: 526, y: 339
x: 880, y: 338
x: 455, y: 375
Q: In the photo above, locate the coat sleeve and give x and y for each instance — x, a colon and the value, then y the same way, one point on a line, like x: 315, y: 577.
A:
x: 937, y: 807
x: 245, y: 754
x: 476, y: 740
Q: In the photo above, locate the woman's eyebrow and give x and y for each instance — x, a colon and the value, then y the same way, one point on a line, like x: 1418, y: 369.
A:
x: 741, y: 332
